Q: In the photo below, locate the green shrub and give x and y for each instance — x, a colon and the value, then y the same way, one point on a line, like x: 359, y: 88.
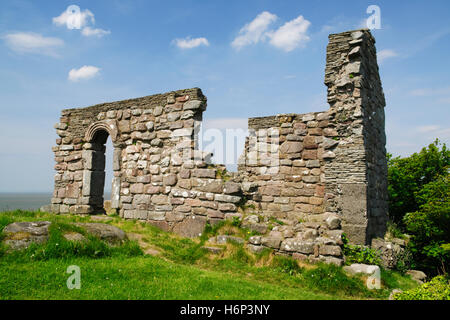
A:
x: 430, y: 227
x: 437, y: 289
x: 407, y: 176
x: 359, y: 254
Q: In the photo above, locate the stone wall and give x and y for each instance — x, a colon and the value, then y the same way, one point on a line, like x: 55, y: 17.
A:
x: 302, y: 181
x: 159, y: 176
x: 325, y: 173
x: 359, y: 174
x: 285, y: 161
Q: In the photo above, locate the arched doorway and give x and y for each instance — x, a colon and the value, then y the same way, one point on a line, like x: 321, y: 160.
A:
x: 94, y: 156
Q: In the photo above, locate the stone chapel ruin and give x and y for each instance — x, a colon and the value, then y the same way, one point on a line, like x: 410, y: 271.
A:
x: 321, y: 174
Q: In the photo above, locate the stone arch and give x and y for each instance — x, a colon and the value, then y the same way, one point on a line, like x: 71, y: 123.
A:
x: 94, y: 164
x: 110, y: 126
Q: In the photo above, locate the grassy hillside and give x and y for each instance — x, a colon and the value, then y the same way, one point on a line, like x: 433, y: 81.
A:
x: 160, y: 265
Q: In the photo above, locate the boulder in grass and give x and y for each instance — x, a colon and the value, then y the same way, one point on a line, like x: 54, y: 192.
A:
x: 20, y: 235
x: 417, y: 275
x: 190, y: 227
x: 105, y: 232
x: 74, y: 236
x: 362, y: 268
x: 213, y: 250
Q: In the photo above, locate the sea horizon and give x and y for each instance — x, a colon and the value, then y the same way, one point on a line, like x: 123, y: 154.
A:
x: 10, y: 201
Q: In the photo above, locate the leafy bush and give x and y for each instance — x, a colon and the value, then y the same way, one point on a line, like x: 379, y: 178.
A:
x: 419, y: 193
x: 437, y: 289
x: 430, y: 226
x: 359, y: 254
x: 407, y: 176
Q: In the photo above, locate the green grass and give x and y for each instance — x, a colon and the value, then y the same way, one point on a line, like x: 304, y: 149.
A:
x: 135, y: 278
x: 182, y: 270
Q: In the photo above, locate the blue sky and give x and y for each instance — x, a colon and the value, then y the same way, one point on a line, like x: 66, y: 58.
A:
x: 275, y: 65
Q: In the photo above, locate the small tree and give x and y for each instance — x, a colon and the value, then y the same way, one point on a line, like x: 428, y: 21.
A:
x: 430, y: 226
x: 408, y: 176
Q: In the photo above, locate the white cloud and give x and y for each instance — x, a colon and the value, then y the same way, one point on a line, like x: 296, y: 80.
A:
x: 189, y: 43
x: 386, y: 54
x: 254, y: 31
x: 290, y: 35
x: 30, y: 42
x: 83, y: 73
x: 88, y: 31
x: 74, y: 19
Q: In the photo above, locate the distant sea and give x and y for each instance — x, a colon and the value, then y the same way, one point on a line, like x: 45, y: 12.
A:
x: 27, y: 201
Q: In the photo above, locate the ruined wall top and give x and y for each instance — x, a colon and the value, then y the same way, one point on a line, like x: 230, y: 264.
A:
x: 351, y: 65
x: 142, y: 102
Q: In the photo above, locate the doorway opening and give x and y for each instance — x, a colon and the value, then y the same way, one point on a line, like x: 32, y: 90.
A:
x: 101, y: 184
x: 97, y: 180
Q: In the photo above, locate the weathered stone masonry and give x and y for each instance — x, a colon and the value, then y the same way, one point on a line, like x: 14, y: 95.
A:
x: 324, y: 173
x: 321, y: 174
x: 158, y: 174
